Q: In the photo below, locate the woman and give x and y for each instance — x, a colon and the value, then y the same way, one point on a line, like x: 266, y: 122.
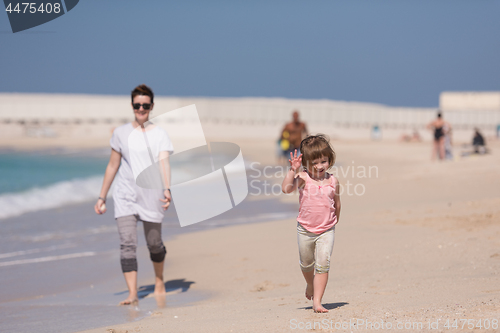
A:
x: 133, y: 203
x: 438, y: 126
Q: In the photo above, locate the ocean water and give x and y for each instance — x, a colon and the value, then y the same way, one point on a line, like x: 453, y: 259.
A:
x: 25, y: 170
x: 32, y: 181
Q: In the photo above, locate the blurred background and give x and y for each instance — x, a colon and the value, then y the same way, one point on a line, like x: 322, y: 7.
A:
x: 351, y: 65
x: 355, y: 70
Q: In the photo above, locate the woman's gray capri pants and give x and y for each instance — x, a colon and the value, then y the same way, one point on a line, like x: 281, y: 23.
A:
x: 127, y: 228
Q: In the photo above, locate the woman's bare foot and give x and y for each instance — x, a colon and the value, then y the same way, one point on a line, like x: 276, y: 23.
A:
x: 309, y: 291
x: 319, y: 309
x: 161, y: 301
x: 159, y: 288
x: 129, y: 300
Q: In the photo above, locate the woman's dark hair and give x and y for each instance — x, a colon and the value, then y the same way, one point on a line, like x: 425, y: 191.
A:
x: 316, y: 146
x: 142, y: 90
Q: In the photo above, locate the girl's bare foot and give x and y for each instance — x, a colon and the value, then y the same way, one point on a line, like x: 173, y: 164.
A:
x: 309, y: 291
x: 129, y: 300
x: 319, y: 309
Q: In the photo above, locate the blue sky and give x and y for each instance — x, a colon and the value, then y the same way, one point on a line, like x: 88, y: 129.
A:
x: 395, y: 52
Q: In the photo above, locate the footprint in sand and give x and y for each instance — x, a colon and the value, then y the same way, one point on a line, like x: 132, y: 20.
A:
x: 263, y: 286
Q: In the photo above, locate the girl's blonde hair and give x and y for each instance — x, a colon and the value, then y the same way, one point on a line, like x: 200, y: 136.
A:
x: 316, y: 146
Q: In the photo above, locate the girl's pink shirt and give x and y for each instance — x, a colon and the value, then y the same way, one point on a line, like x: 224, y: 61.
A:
x: 317, y: 205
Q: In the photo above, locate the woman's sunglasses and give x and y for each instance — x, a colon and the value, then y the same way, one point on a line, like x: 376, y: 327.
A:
x: 146, y: 106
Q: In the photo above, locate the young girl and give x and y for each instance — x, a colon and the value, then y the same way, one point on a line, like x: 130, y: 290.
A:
x: 319, y: 212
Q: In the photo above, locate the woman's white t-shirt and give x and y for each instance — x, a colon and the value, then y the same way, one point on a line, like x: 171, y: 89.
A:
x: 129, y: 198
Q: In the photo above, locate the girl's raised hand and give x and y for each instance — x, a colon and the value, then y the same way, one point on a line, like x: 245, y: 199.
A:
x: 295, y: 161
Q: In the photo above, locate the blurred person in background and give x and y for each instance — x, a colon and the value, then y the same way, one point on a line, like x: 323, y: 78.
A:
x: 292, y: 135
x: 478, y: 142
x: 438, y: 126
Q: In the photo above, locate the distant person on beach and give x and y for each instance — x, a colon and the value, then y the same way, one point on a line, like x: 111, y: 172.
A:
x: 292, y: 134
x: 133, y: 203
x: 478, y: 142
x: 319, y: 212
x: 438, y: 126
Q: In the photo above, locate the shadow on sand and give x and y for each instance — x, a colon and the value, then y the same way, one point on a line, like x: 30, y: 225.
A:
x: 170, y: 286
x: 328, y: 306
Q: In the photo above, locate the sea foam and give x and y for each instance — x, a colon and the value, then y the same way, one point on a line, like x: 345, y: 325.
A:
x: 56, y: 195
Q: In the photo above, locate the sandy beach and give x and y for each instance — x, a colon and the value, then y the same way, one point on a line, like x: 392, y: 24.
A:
x: 416, y: 249
x: 221, y: 88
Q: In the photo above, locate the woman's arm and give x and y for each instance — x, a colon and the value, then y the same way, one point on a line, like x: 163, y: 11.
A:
x: 109, y: 175
x: 336, y: 201
x: 165, y: 176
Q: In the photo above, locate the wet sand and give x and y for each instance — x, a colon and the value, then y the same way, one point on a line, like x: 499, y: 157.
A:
x: 417, y: 250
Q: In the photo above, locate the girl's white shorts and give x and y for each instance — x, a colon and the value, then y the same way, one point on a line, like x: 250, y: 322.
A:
x: 315, y: 249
